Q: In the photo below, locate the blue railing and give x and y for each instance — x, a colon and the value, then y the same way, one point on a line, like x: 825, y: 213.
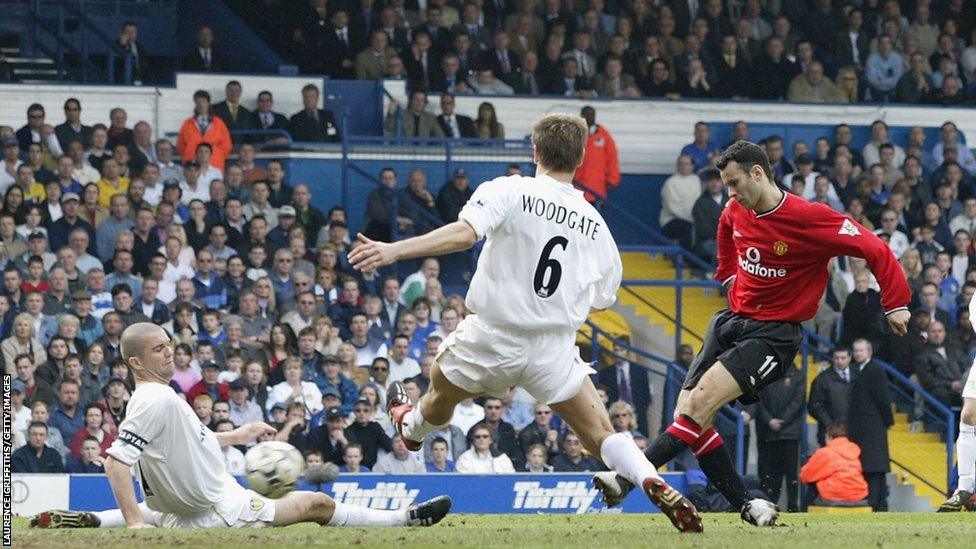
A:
x: 672, y: 381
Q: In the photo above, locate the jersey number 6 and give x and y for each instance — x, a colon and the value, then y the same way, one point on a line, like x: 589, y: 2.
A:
x: 544, y: 288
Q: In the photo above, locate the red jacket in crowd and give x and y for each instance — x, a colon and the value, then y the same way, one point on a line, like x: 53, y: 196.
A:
x: 601, y: 166
x: 836, y: 470
x: 216, y: 135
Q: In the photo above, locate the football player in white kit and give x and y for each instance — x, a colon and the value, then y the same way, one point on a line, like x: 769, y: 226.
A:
x: 547, y: 261
x: 181, y: 466
x: 965, y: 494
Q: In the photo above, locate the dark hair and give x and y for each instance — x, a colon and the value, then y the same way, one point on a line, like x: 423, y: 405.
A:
x: 746, y: 154
x: 121, y: 288
x: 201, y: 94
x: 835, y: 430
x: 438, y: 440
x: 842, y: 350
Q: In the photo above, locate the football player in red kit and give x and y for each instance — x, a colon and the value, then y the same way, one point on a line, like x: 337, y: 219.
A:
x: 773, y: 249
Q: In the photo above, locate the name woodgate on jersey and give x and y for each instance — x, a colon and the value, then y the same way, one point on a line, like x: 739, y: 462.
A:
x: 560, y: 215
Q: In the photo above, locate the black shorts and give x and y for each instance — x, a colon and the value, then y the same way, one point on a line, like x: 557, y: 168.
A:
x: 755, y: 352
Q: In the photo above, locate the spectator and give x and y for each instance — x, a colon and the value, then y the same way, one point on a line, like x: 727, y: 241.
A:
x: 949, y: 139
x: 400, y: 461
x: 294, y: 390
x: 23, y: 340
x: 572, y: 459
x: 915, y: 85
x: 869, y: 419
x: 702, y: 150
x: 733, y: 74
x: 418, y: 61
x: 92, y: 430
x: 452, y: 124
x: 36, y: 131
x: 331, y: 378
x: 569, y: 82
x: 487, y: 126
x: 678, y: 197
x: 339, y: 46
x: 535, y: 460
x: 481, y: 458
x: 940, y: 366
x: 90, y: 461
x: 265, y: 118
x: 627, y: 382
x: 416, y: 204
x: 414, y: 286
x: 369, y: 434
x: 439, y: 462
x: 830, y: 393
x: 416, y: 122
x: 370, y: 63
x: 540, y: 431
x: 779, y: 415
x: 329, y: 438
x: 863, y: 314
x: 314, y: 124
x: 706, y: 212
x: 204, y: 127
x: 352, y: 457
x: 294, y: 430
x: 613, y: 82
x: 19, y: 412
x: 66, y: 415
x: 203, y: 58
x: 35, y: 389
x: 600, y: 170
x: 502, y: 433
x: 234, y: 115
x: 36, y: 456
x: 835, y: 471
x: 871, y: 154
x: 455, y: 194
x: 72, y: 129
x: 813, y: 87
x: 929, y: 303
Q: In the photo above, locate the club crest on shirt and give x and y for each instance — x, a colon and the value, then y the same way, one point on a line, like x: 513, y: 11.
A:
x: 257, y: 504
x: 849, y: 229
x: 780, y: 247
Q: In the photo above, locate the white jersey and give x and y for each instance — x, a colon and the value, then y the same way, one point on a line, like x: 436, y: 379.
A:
x: 549, y: 256
x: 179, y: 461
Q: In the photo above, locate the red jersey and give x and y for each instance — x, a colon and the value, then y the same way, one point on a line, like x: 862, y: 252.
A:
x: 777, y: 261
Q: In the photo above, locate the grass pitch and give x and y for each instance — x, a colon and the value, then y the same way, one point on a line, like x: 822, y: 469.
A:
x: 607, y: 530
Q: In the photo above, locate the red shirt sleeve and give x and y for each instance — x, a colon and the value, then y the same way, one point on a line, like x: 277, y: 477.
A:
x: 841, y: 235
x: 725, y: 255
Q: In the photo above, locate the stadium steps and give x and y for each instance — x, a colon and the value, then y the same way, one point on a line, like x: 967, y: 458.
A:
x: 923, y: 453
x: 698, y: 304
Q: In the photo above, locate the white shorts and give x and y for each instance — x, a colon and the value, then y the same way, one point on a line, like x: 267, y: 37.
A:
x: 485, y: 359
x: 240, y: 508
x: 969, y: 389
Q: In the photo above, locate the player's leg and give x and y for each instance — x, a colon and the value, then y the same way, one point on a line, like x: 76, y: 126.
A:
x: 586, y: 415
x: 111, y: 518
x: 416, y: 421
x: 964, y: 496
x: 319, y: 508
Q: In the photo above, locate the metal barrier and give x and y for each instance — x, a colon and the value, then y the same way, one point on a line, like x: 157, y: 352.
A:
x: 673, y: 377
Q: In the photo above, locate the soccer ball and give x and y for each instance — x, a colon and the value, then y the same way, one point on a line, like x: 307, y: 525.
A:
x: 272, y: 468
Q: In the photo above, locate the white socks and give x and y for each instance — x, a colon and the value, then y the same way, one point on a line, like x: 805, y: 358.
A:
x: 966, y: 446
x: 112, y: 518
x: 355, y: 515
x: 621, y: 454
x: 415, y: 427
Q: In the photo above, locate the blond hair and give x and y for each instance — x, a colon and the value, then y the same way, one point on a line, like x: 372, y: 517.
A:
x: 559, y: 140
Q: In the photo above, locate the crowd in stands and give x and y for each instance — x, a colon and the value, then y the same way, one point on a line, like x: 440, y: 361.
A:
x: 832, y: 51
x: 102, y: 227
x: 917, y: 196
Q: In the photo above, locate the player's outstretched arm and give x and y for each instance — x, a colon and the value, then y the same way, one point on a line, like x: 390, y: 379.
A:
x: 120, y: 478
x: 244, y: 434
x: 370, y: 254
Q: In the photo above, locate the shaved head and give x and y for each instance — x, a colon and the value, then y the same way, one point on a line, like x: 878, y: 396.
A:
x: 147, y: 349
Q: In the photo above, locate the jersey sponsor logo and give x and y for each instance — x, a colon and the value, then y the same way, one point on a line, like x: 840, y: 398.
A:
x: 849, y: 229
x: 575, y: 495
x: 752, y: 264
x: 385, y: 495
x: 780, y: 247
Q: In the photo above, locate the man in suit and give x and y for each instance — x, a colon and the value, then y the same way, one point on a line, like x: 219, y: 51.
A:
x: 419, y: 61
x: 313, y: 123
x: 454, y: 125
x: 613, y: 82
x: 504, y: 63
x: 734, y: 73
x: 440, y: 37
x: 265, y: 118
x: 779, y: 419
x: 529, y: 81
x: 371, y: 62
x: 477, y: 33
x: 339, y: 47
x: 940, y: 366
x: 416, y: 122
x: 627, y: 381
x: 72, y: 129
x: 203, y: 58
x: 230, y: 110
x: 570, y: 83
x: 868, y: 420
x: 852, y: 45
x: 449, y: 77
x: 462, y: 48
x: 585, y: 61
x: 140, y: 66
x: 830, y: 395
x: 397, y: 36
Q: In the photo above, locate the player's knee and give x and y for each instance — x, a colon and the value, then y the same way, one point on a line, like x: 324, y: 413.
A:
x: 968, y: 415
x: 321, y: 505
x: 698, y: 407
